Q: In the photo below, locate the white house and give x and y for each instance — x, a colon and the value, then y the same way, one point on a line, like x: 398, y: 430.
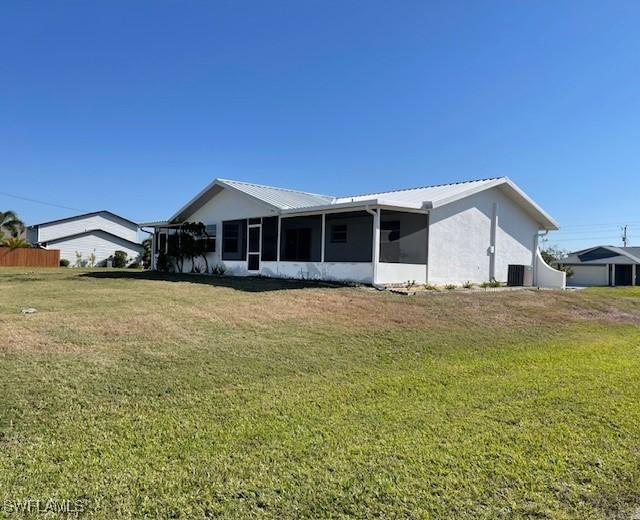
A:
x: 100, y: 233
x: 604, y: 265
x: 452, y: 233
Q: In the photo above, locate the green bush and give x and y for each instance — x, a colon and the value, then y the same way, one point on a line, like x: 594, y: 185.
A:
x: 119, y: 259
x: 218, y: 270
x: 135, y: 265
x: 163, y: 263
x: 64, y: 262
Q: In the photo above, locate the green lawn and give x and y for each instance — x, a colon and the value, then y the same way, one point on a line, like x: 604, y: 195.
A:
x: 198, y: 397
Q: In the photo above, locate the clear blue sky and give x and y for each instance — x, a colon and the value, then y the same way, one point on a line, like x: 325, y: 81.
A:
x: 135, y: 106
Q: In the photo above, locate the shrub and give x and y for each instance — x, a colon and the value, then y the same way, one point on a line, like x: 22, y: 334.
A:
x: 162, y: 262
x: 119, y: 259
x: 450, y: 287
x: 218, y: 270
x: 468, y: 285
x: 16, y: 243
x: 64, y: 262
x: 134, y: 265
x: 491, y: 283
x: 79, y: 261
x: 430, y: 287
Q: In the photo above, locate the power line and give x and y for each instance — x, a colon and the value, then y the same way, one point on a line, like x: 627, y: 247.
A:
x: 599, y: 224
x: 40, y: 201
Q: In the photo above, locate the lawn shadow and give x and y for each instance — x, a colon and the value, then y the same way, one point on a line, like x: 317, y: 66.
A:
x: 239, y: 283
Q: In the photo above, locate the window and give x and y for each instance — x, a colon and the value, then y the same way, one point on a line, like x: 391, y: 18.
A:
x: 231, y: 239
x: 338, y: 233
x: 269, y: 239
x: 234, y: 240
x: 210, y: 240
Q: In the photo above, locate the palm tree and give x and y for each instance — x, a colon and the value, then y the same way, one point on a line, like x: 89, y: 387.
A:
x: 10, y: 222
x: 15, y: 243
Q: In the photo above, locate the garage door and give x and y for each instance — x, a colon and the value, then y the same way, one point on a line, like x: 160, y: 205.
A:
x: 589, y: 275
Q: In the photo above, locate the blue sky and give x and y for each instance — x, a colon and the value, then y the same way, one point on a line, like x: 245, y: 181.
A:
x: 135, y: 106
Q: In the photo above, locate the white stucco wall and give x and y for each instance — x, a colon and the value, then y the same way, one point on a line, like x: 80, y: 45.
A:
x: 72, y: 227
x: 102, y: 245
x: 589, y: 275
x: 460, y: 238
x: 401, y: 273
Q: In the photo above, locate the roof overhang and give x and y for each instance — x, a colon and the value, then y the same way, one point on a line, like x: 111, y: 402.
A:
x: 206, y: 195
x: 357, y: 204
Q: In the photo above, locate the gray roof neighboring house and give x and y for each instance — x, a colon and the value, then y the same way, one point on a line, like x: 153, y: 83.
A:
x: 286, y: 201
x: 83, y: 215
x: 600, y: 255
x: 134, y: 245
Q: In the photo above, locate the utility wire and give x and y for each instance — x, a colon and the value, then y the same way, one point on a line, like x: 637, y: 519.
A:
x: 40, y: 202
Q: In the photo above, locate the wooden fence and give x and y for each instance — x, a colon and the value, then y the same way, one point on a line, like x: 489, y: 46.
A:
x: 27, y: 257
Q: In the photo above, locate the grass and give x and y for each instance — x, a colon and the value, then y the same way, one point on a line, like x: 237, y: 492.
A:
x: 200, y: 397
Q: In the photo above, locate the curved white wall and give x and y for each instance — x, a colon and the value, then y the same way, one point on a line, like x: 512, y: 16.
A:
x: 547, y: 277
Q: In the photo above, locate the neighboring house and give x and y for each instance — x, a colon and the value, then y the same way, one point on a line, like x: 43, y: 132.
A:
x: 100, y: 232
x: 452, y: 233
x: 604, y: 265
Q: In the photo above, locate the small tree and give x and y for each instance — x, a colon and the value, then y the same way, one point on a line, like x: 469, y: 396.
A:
x: 79, y: 260
x: 163, y: 263
x: 553, y: 255
x: 188, y: 243
x: 146, y: 253
x: 119, y: 259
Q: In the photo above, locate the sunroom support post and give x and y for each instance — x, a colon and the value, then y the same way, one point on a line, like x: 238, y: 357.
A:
x: 154, y: 239
x: 634, y: 268
x: 279, y: 238
x: 322, y: 237
x: 375, y: 246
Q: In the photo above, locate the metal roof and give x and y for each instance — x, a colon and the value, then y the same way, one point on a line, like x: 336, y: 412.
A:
x: 83, y: 215
x: 427, y: 197
x: 279, y: 197
x: 418, y: 196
